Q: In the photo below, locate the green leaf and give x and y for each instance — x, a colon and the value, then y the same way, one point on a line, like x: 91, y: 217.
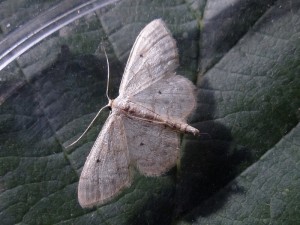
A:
x: 244, y: 58
x: 266, y: 193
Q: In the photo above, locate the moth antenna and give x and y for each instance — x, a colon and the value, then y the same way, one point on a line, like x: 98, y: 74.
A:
x: 86, y: 130
x: 108, y: 75
x: 98, y: 113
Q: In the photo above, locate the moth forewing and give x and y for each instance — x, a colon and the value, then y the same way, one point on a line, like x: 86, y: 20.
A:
x: 153, y: 56
x: 106, y: 170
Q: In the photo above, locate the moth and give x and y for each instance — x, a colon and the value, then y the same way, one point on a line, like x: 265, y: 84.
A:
x: 143, y: 128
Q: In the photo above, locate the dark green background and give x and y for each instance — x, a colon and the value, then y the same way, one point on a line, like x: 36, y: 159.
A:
x: 244, y: 57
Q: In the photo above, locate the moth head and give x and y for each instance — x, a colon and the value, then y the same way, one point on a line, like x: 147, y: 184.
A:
x: 110, y: 103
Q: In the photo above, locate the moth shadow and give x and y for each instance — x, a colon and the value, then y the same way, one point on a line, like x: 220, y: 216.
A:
x: 208, y: 163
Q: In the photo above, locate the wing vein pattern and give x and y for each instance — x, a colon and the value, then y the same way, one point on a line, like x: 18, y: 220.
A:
x: 106, y: 171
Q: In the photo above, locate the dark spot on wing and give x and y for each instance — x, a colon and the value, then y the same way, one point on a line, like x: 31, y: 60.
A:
x: 98, y: 160
x: 141, y: 144
x: 141, y: 55
x: 159, y: 92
